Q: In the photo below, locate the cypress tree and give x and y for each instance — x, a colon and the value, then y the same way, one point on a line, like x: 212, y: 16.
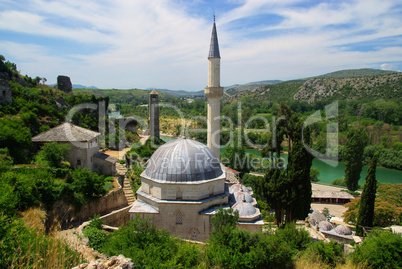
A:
x: 288, y: 191
x: 354, y: 147
x: 366, y: 208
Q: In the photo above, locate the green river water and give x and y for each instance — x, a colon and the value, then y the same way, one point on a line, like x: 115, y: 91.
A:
x: 328, y: 173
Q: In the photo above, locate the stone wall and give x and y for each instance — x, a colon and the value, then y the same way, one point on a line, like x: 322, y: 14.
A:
x: 64, y: 84
x: 5, y: 92
x: 106, y: 203
x: 117, y: 218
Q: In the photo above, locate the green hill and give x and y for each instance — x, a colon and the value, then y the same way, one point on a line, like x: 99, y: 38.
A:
x: 352, y: 73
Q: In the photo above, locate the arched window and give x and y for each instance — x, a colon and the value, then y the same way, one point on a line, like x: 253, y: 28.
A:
x: 179, y: 217
x: 179, y: 194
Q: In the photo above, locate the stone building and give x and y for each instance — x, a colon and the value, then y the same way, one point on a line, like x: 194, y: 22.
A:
x: 154, y: 114
x: 64, y: 84
x: 182, y: 188
x: 84, y: 148
x: 5, y: 92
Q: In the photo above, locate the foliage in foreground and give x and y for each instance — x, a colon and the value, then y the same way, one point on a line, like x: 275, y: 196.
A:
x: 380, y: 250
x: 145, y: 245
x: 21, y: 247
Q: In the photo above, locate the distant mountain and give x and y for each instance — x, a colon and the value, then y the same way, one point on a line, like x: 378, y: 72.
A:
x: 233, y: 89
x: 79, y: 86
x: 351, y: 84
x: 352, y: 73
x: 180, y: 93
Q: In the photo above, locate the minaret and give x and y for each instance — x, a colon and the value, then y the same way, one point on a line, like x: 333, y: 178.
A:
x: 214, y: 92
x: 154, y: 114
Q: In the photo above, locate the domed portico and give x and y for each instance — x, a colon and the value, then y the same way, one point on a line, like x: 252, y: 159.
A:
x: 183, y: 177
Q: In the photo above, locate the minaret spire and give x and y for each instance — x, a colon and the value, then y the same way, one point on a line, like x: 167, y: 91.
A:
x: 214, y: 92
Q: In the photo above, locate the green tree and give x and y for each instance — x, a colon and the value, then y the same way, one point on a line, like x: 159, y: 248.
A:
x: 288, y: 191
x: 366, y: 209
x: 314, y: 173
x: 53, y: 154
x: 88, y: 183
x: 5, y: 160
x: 15, y: 137
x: 353, y: 154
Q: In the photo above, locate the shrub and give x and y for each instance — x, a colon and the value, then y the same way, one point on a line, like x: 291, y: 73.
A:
x: 329, y: 253
x: 21, y: 247
x: 380, y: 250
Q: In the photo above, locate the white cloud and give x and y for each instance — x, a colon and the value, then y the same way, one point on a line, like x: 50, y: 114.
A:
x: 386, y: 66
x: 157, y: 43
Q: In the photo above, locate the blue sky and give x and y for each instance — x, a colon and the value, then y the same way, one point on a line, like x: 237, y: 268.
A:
x: 164, y: 43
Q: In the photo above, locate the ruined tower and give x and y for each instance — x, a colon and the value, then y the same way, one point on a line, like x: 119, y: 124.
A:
x: 154, y: 114
x: 214, y: 92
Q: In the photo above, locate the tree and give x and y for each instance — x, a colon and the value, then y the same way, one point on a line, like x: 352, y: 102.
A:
x: 366, y: 209
x: 15, y: 137
x: 53, y: 154
x: 314, y: 173
x: 88, y: 183
x: 353, y: 154
x: 288, y: 191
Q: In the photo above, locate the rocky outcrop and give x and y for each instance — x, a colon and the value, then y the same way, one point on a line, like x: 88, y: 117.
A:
x: 64, y: 84
x: 118, y: 262
x: 5, y: 92
x: 350, y: 88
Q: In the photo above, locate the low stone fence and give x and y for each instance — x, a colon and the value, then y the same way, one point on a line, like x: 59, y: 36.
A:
x: 117, y: 218
x: 112, y: 200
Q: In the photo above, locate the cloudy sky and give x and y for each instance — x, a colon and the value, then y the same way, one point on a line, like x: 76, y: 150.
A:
x: 164, y: 43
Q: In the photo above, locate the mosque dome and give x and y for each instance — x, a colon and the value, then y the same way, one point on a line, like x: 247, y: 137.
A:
x: 243, y: 197
x: 325, y: 226
x: 238, y: 188
x: 244, y: 209
x: 183, y: 160
x: 343, y: 230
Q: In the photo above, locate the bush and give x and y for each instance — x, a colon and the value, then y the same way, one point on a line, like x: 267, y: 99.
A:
x: 21, y: 247
x: 329, y: 253
x: 149, y: 247
x: 380, y: 250
x: 95, y: 233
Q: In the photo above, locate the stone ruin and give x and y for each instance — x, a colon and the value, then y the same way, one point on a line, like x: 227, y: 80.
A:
x: 64, y: 84
x: 5, y: 92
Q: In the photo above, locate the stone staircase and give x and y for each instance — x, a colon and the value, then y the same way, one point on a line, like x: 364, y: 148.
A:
x: 128, y: 192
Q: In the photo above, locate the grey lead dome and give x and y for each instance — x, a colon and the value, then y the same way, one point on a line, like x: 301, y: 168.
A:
x: 183, y: 160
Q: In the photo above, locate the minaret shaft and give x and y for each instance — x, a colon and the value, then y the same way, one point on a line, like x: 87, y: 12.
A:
x: 214, y: 92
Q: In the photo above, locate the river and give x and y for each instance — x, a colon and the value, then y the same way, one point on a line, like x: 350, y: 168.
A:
x: 328, y: 173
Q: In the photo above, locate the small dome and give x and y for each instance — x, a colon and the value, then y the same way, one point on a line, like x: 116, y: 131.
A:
x: 243, y: 197
x: 343, y: 230
x: 244, y: 209
x: 238, y: 187
x: 325, y: 226
x: 183, y: 160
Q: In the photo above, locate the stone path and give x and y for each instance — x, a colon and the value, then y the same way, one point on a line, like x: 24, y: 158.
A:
x: 128, y: 192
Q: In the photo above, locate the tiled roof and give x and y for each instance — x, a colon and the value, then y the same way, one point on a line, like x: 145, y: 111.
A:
x: 66, y: 132
x: 332, y: 194
x: 106, y: 157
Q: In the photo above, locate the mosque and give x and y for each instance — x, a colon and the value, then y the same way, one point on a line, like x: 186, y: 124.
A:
x: 184, y: 183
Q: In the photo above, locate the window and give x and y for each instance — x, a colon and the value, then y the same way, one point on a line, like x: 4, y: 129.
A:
x: 179, y: 217
x: 179, y: 194
x: 78, y: 162
x: 4, y: 93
